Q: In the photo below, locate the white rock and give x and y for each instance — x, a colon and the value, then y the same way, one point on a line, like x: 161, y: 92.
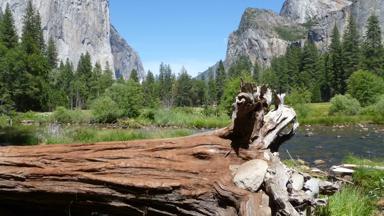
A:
x: 250, y: 175
x: 312, y: 186
x: 297, y: 181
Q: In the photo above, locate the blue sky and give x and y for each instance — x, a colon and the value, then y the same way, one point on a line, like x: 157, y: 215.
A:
x: 189, y: 33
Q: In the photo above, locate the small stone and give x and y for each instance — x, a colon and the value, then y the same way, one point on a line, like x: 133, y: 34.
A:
x: 301, y: 162
x: 250, y: 175
x: 318, y: 162
x: 309, y: 134
x: 312, y: 186
x: 297, y: 181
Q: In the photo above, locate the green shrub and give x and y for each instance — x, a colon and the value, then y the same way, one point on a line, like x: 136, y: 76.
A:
x: 231, y: 89
x: 379, y: 106
x: 365, y: 86
x: 64, y: 116
x: 345, y: 105
x: 128, y: 96
x: 298, y: 99
x: 105, y: 110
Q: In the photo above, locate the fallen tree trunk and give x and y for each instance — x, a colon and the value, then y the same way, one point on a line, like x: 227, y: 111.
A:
x: 231, y: 171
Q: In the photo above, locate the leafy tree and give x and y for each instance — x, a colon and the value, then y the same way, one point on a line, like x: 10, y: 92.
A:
x: 52, y: 53
x: 128, y: 96
x: 344, y: 104
x: 212, y: 89
x: 269, y: 77
x: 199, y: 93
x: 231, y: 89
x: 134, y: 76
x: 336, y: 59
x: 373, y: 50
x: 8, y: 34
x: 105, y: 110
x: 220, y: 80
x: 365, y: 86
x: 351, y: 48
x: 106, y: 79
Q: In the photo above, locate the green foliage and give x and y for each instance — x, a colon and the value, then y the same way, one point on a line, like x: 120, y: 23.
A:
x: 105, y: 110
x: 290, y: 33
x: 134, y: 76
x: 345, y: 105
x: 351, y: 48
x: 212, y: 89
x: 8, y: 34
x: 52, y: 53
x: 298, y: 98
x: 220, y: 80
x: 242, y: 67
x: 365, y: 86
x: 336, y: 63
x: 182, y: 89
x: 151, y: 98
x: 128, y: 97
x: 64, y: 116
x: 349, y: 201
x: 18, y: 136
x: 231, y: 89
x: 373, y: 50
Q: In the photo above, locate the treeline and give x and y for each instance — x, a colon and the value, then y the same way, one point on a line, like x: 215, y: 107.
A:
x: 325, y: 75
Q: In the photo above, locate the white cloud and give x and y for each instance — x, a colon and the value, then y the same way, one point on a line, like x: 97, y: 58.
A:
x: 193, y: 66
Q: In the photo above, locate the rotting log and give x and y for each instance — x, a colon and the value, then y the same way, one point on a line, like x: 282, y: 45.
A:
x: 204, y: 174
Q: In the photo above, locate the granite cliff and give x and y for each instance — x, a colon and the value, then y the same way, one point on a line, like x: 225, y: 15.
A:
x: 80, y: 26
x: 263, y: 35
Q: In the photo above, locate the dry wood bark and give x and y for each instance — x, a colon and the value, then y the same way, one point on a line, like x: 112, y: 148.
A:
x: 185, y: 176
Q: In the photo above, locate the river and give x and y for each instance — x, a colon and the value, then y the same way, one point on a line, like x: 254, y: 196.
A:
x: 333, y: 143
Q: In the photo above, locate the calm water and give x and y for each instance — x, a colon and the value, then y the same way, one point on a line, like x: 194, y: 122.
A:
x: 332, y: 143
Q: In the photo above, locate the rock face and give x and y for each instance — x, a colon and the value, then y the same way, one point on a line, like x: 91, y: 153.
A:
x: 304, y: 10
x: 125, y: 58
x: 80, y: 26
x: 263, y: 35
x: 258, y: 37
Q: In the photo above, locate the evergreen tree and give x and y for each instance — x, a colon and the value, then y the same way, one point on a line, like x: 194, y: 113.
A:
x: 8, y: 34
x: 183, y: 89
x: 66, y: 82
x: 373, y: 50
x: 327, y: 89
x: 106, y: 79
x: 336, y: 58
x: 212, y: 93
x: 95, y: 82
x: 279, y: 68
x: 256, y: 72
x: 199, y: 92
x: 351, y: 48
x: 32, y: 39
x: 134, y: 76
x: 52, y: 53
x: 293, y: 57
x: 309, y: 74
x: 166, y: 83
x: 242, y: 67
x: 220, y: 80
x: 82, y: 84
x: 149, y: 89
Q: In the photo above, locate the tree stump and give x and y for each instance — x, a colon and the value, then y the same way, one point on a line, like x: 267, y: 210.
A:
x: 231, y: 171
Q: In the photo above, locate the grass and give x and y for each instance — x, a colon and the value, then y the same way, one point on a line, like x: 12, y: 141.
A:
x: 317, y: 113
x: 360, y: 198
x: 350, y: 201
x: 91, y: 135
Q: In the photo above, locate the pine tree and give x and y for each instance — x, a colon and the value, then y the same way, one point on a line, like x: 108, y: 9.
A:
x: 351, y: 48
x: 242, y: 67
x: 134, y: 76
x: 106, y: 79
x: 32, y: 39
x: 166, y: 84
x: 309, y: 71
x: 327, y: 89
x: 212, y: 93
x: 336, y: 58
x: 293, y: 57
x: 8, y: 34
x: 220, y: 80
x: 82, y: 83
x: 52, y: 53
x: 279, y: 68
x: 373, y: 50
x: 183, y: 89
x: 149, y: 87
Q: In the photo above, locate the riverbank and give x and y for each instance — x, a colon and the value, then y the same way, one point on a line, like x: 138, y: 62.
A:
x: 362, y: 193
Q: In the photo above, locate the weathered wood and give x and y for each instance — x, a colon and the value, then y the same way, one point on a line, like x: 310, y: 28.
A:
x: 193, y: 175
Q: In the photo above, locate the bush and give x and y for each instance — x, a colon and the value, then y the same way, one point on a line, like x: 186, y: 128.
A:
x: 128, y: 97
x: 105, y: 110
x: 365, y: 86
x: 231, y: 89
x: 298, y: 99
x: 64, y: 116
x: 345, y: 105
